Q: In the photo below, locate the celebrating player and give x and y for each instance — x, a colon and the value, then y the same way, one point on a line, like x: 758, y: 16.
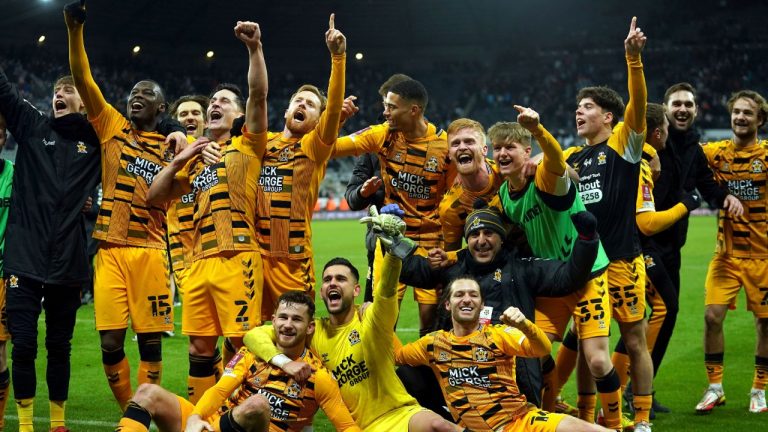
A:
x: 476, y: 365
x: 741, y: 255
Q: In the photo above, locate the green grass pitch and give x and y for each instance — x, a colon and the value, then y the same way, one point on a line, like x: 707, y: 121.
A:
x: 679, y: 384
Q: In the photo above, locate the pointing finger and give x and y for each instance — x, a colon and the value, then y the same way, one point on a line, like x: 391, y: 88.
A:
x: 331, y: 22
x: 519, y: 108
x: 633, y: 24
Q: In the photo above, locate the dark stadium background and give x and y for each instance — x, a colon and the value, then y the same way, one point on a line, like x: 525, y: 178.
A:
x: 476, y: 58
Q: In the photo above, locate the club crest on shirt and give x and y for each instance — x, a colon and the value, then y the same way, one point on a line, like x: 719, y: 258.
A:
x: 431, y: 165
x: 285, y: 155
x: 443, y: 356
x: 481, y: 354
x: 81, y: 148
x: 13, y: 281
x: 292, y: 390
x: 168, y: 154
x: 496, y: 274
x: 601, y: 158
x: 354, y: 337
x: 757, y: 166
x: 257, y: 381
x: 398, y: 157
x: 649, y: 262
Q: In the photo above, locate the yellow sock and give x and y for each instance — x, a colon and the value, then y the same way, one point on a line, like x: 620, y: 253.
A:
x: 119, y: 377
x: 611, y: 403
x: 228, y: 351
x: 150, y: 372
x: 621, y: 364
x: 218, y: 365
x: 549, y: 387
x: 565, y: 363
x: 642, y: 404
x: 586, y: 403
x: 24, y: 408
x: 5, y: 384
x: 57, y: 413
x: 715, y: 373
x: 196, y: 386
x: 761, y: 373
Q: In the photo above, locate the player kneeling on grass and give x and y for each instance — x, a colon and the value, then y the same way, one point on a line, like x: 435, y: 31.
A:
x: 252, y: 395
x: 476, y: 366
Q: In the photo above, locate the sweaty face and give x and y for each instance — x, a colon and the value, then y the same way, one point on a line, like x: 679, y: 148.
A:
x: 397, y: 112
x: 466, y: 147
x: 465, y: 302
x: 66, y: 100
x: 222, y: 111
x: 292, y: 324
x: 303, y: 113
x: 591, y: 120
x: 483, y: 245
x: 190, y: 115
x: 339, y: 289
x: 745, y: 118
x: 510, y: 157
x: 145, y: 102
x: 681, y: 110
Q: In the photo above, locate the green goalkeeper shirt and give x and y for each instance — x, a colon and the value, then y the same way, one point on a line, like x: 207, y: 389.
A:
x: 6, y: 179
x: 546, y: 220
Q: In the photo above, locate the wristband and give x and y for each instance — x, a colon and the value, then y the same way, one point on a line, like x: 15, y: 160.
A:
x: 280, y: 360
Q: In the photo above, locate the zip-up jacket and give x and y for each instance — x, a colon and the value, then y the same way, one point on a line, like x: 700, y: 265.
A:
x: 57, y: 167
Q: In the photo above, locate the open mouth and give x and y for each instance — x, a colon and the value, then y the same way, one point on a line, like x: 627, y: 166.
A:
x: 299, y: 116
x: 136, y: 106
x: 334, y: 295
x: 191, y: 128
x: 505, y: 163
x: 465, y: 159
x: 216, y: 115
x: 60, y: 105
x: 580, y: 122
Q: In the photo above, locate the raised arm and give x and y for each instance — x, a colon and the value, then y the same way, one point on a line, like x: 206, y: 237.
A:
x: 19, y: 115
x: 551, y: 179
x: 328, y: 128
x: 256, y: 106
x: 74, y: 16
x: 529, y: 342
x: 634, y: 116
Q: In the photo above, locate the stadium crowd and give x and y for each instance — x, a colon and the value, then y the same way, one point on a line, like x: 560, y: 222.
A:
x: 505, y: 253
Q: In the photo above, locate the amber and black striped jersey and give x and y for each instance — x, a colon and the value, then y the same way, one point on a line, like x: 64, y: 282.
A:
x: 458, y: 202
x: 288, y: 189
x: 292, y: 405
x: 180, y: 219
x: 416, y: 174
x: 130, y: 160
x: 225, y: 206
x: 609, y: 172
x: 290, y: 180
x: 745, y: 172
x: 477, y: 371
